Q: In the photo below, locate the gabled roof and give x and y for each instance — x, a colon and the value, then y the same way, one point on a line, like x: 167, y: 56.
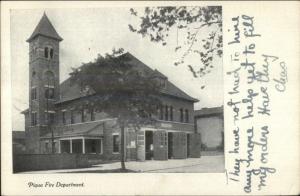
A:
x: 70, y: 91
x: 45, y: 28
x: 208, y: 111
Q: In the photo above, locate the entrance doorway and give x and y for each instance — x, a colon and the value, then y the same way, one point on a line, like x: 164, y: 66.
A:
x: 170, y: 145
x: 149, y: 145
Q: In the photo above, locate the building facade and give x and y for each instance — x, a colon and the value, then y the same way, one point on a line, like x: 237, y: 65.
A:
x: 210, y: 125
x: 53, y: 121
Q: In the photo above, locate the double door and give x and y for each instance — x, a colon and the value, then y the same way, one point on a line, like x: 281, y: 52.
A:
x: 163, y: 145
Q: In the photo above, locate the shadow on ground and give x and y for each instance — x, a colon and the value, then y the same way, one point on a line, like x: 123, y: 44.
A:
x: 103, y: 171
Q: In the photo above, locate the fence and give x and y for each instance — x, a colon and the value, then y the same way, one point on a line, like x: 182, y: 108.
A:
x: 34, y: 162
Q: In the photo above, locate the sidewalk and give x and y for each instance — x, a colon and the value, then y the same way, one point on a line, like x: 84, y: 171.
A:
x: 207, y: 164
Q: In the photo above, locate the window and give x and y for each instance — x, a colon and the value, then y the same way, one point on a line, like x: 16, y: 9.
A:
x: 171, y: 113
x: 51, y: 53
x: 33, y: 93
x: 186, y: 116
x: 47, y: 147
x: 35, y: 50
x: 181, y: 115
x: 49, y: 92
x: 72, y: 116
x: 161, y: 113
x: 83, y: 115
x: 166, y: 112
x: 49, y: 117
x: 92, y: 114
x: 33, y: 118
x: 46, y: 52
x: 116, y: 143
x: 93, y: 146
x: 55, y: 146
x: 163, y: 83
x: 64, y: 117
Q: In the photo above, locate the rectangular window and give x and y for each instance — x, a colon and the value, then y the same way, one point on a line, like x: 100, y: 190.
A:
x: 33, y: 94
x: 49, y: 92
x: 186, y: 116
x: 47, y: 147
x: 181, y: 115
x: 33, y: 118
x: 166, y: 112
x: 63, y: 117
x: 93, y: 146
x: 55, y: 146
x: 161, y: 113
x: 72, y: 116
x: 171, y: 113
x: 116, y: 143
x: 92, y: 114
x: 83, y: 115
x: 49, y: 117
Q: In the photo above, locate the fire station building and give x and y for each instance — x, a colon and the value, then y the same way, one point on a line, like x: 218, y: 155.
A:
x: 94, y: 132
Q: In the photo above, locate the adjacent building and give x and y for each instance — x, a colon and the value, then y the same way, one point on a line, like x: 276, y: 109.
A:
x: 210, y: 125
x: 52, y: 118
x: 18, y: 141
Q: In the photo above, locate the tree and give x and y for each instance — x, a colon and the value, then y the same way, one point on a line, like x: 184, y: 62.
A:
x: 158, y: 22
x: 121, y: 90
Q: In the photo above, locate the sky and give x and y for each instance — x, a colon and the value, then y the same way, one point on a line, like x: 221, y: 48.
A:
x: 89, y: 32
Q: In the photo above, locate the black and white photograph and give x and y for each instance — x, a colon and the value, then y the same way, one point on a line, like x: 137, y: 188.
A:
x: 112, y: 90
x: 150, y: 97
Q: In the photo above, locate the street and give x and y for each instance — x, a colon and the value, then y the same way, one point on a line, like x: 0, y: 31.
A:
x: 205, y: 164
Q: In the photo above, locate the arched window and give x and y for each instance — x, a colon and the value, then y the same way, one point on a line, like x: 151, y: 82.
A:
x: 46, y: 51
x: 51, y: 53
x: 33, y: 74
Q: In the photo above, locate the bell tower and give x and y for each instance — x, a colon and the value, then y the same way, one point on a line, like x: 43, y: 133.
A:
x: 43, y: 75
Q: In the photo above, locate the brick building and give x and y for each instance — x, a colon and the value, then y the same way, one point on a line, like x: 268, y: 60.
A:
x: 93, y: 132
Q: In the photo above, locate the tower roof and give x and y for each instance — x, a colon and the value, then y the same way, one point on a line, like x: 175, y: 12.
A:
x: 45, y: 28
